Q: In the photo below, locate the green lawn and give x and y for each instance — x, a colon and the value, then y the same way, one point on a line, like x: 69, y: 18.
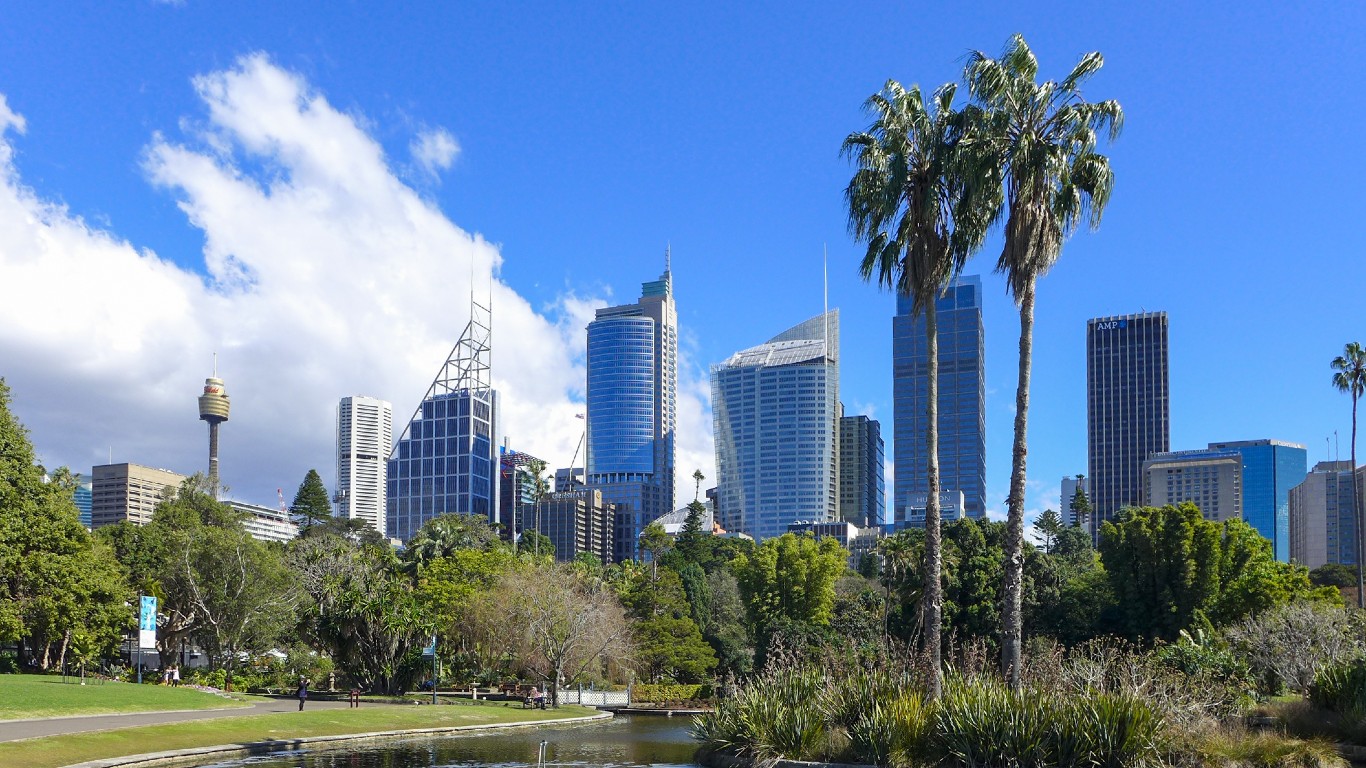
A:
x: 26, y: 696
x: 54, y: 751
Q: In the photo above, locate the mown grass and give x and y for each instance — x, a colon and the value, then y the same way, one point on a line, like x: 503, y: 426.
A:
x: 55, y: 751
x: 27, y: 696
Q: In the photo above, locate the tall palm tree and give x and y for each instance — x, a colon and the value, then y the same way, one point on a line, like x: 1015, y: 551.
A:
x: 1350, y: 376
x: 1043, y: 136
x: 907, y: 200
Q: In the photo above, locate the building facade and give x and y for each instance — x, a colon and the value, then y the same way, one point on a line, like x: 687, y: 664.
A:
x: 1211, y: 480
x: 1068, y: 493
x: 365, y: 436
x: 775, y: 411
x: 912, y: 513
x: 632, y: 398
x: 265, y: 523
x: 84, y: 497
x: 863, y: 496
x: 576, y: 522
x: 1270, y: 469
x: 1322, y: 518
x: 516, y: 491
x: 962, y: 397
x: 446, y: 461
x: 1127, y: 407
x: 128, y: 492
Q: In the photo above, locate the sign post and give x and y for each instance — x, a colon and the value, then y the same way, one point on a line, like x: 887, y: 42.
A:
x: 147, y: 628
x: 431, y: 651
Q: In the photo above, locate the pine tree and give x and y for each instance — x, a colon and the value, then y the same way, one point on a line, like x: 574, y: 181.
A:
x: 1049, y: 525
x: 1080, y: 506
x: 311, y: 503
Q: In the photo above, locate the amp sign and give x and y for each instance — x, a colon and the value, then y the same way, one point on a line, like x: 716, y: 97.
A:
x: 1111, y: 325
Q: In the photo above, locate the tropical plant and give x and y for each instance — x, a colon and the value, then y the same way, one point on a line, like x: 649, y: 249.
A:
x: 1349, y: 375
x: 1042, y: 139
x: 909, y: 201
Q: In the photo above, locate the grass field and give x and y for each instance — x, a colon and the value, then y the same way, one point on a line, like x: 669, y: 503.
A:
x: 55, y: 751
x: 26, y: 696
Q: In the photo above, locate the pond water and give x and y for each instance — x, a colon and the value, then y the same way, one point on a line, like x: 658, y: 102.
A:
x: 622, y: 742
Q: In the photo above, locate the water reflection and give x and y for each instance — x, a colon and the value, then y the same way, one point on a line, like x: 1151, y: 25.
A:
x: 623, y: 742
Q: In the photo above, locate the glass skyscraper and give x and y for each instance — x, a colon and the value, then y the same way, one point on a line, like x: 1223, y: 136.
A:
x: 1270, y: 469
x: 862, y: 488
x: 632, y: 401
x: 962, y: 399
x: 775, y: 409
x: 446, y: 461
x: 1127, y: 407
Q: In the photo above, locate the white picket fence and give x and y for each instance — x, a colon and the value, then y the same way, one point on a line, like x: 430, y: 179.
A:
x: 594, y: 698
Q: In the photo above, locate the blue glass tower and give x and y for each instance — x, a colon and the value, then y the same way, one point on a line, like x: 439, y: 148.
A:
x: 632, y: 395
x: 445, y: 462
x: 1270, y: 469
x: 775, y: 410
x: 84, y: 501
x: 962, y: 399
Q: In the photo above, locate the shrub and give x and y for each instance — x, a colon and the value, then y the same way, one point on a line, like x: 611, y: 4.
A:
x: 664, y: 692
x: 1341, y: 688
x: 892, y: 731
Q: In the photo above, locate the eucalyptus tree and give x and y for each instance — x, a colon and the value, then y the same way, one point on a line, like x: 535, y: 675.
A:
x: 1043, y: 137
x: 1349, y: 375
x: 917, y: 202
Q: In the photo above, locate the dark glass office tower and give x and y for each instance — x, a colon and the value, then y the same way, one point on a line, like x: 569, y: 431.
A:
x: 1127, y: 407
x: 962, y: 399
x: 1270, y: 469
x: 632, y: 396
x: 862, y: 489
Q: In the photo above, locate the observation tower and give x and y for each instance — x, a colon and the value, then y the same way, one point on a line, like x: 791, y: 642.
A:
x: 213, y: 408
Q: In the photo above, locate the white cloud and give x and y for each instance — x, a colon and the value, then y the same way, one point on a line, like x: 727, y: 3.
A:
x: 434, y: 150
x: 324, y: 276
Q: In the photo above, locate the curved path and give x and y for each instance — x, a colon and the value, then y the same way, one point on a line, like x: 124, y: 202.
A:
x: 13, y: 730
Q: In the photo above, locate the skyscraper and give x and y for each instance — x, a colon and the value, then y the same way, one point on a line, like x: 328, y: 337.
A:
x: 862, y: 488
x: 775, y: 410
x: 962, y: 398
x: 516, y: 492
x: 1127, y: 407
x: 632, y: 400
x: 1270, y: 469
x: 365, y: 436
x: 129, y: 492
x: 1322, y: 518
x: 1211, y: 480
x: 445, y: 462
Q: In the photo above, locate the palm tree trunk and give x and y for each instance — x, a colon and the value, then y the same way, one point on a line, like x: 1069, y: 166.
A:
x: 1356, y: 510
x: 1014, y: 571
x: 933, y: 602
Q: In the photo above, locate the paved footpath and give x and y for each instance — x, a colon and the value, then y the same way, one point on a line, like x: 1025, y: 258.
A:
x: 12, y: 730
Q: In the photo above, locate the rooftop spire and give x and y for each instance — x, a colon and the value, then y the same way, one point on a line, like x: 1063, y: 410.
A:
x: 668, y: 257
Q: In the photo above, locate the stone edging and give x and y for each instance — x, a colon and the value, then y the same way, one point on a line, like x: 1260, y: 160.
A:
x: 717, y: 759
x: 197, y: 755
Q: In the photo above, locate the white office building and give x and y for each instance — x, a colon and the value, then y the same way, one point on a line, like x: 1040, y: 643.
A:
x: 365, y: 435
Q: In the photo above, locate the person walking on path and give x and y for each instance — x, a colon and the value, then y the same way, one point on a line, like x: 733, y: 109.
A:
x: 175, y: 677
x: 303, y: 693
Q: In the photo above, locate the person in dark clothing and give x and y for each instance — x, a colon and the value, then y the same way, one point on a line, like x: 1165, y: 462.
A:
x: 303, y: 693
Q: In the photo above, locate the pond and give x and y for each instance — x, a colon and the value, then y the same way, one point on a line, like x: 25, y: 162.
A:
x: 623, y: 742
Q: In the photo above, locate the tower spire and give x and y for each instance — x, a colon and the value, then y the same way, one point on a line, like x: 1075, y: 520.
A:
x: 668, y: 257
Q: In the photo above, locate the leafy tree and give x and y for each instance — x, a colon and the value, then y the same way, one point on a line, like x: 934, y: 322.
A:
x: 448, y: 592
x: 444, y: 535
x: 1080, y: 505
x: 1349, y: 375
x: 725, y: 627
x: 1050, y: 525
x: 655, y: 542
x: 791, y: 577
x: 1333, y: 575
x: 537, y: 545
x: 670, y: 648
x: 922, y: 220
x: 1041, y: 138
x: 311, y: 504
x: 692, y: 540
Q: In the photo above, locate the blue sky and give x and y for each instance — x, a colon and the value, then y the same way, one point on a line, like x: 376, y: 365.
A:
x: 589, y: 136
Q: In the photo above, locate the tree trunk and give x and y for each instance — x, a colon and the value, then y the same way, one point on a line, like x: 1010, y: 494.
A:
x: 933, y: 600
x: 1014, y: 570
x: 1356, y: 509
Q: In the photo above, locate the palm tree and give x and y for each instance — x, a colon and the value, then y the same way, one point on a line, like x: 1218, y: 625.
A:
x: 1350, y: 377
x: 697, y: 477
x: 1043, y: 138
x: 539, y: 488
x: 908, y: 201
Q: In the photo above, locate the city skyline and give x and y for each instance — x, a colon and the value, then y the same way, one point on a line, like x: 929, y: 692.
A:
x: 182, y: 203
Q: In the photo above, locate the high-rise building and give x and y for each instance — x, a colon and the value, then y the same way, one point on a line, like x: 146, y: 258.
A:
x: 863, y: 498
x: 912, y: 513
x: 962, y: 398
x: 1127, y: 407
x: 265, y: 523
x: 365, y: 436
x: 213, y: 408
x: 775, y: 410
x: 516, y: 491
x: 1270, y: 469
x: 1211, y: 480
x: 577, y: 521
x: 632, y: 400
x: 1322, y: 518
x: 446, y: 461
x: 1069, y: 492
x: 128, y: 492
x: 85, y: 498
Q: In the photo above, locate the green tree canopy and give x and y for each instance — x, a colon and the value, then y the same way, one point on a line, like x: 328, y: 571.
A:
x: 791, y: 577
x: 311, y: 503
